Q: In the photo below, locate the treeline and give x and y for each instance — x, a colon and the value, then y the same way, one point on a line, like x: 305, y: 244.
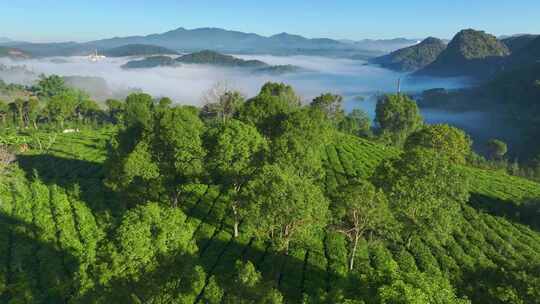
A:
x: 52, y: 104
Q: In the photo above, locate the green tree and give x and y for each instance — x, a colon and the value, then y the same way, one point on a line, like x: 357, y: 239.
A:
x: 61, y: 107
x: 331, y: 105
x: 139, y: 111
x: 497, y: 149
x: 283, y: 207
x: 281, y: 90
x: 425, y: 191
x: 356, y: 123
x: 130, y: 166
x: 397, y: 117
x: 177, y: 149
x: 115, y: 110
x: 87, y: 110
x: 269, y: 108
x: 442, y: 138
x: 235, y: 151
x: 213, y: 293
x: 32, y: 112
x: 362, y: 210
x: 4, y: 111
x: 50, y: 86
x: 300, y: 139
x: 150, y: 259
x: 249, y: 287
x: 18, y: 111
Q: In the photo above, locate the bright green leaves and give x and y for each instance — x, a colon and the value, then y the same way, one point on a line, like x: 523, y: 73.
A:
x: 284, y: 207
x: 445, y: 139
x: 425, y: 191
x: 235, y: 149
x: 161, y: 146
x: 397, y: 117
x: 138, y: 109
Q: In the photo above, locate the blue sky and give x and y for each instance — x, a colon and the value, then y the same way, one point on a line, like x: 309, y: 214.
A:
x: 61, y: 20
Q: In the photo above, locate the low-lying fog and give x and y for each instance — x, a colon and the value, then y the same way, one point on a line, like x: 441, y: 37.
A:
x: 187, y: 84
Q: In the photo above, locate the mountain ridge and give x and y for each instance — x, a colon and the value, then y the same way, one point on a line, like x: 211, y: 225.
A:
x: 223, y: 40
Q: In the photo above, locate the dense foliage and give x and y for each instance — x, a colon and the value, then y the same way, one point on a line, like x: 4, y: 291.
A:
x: 261, y: 200
x: 444, y: 139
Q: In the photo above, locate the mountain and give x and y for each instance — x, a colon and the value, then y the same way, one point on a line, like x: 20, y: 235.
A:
x: 150, y: 62
x: 525, y: 56
x: 5, y: 40
x: 413, y: 57
x: 216, y: 59
x: 194, y: 40
x: 515, y: 43
x: 470, y: 53
x: 222, y: 40
x: 138, y: 50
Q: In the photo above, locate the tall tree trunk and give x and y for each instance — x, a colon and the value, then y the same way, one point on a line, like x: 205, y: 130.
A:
x: 175, y: 199
x: 236, y: 228
x: 235, y: 215
x: 353, y: 251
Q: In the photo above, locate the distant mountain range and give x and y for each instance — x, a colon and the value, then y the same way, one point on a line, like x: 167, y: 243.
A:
x: 384, y: 45
x: 226, y: 41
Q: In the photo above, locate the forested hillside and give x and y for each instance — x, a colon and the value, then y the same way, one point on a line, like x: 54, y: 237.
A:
x: 470, y: 53
x: 259, y: 200
x: 414, y: 57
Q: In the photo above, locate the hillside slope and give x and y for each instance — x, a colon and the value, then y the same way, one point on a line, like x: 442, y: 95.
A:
x: 414, y: 57
x: 516, y: 43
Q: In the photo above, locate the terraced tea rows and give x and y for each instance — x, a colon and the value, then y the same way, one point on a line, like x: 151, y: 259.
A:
x: 61, y: 217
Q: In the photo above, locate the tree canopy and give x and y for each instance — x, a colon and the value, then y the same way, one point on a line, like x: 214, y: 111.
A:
x: 425, y: 191
x: 444, y: 139
x: 397, y: 116
x: 283, y: 207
